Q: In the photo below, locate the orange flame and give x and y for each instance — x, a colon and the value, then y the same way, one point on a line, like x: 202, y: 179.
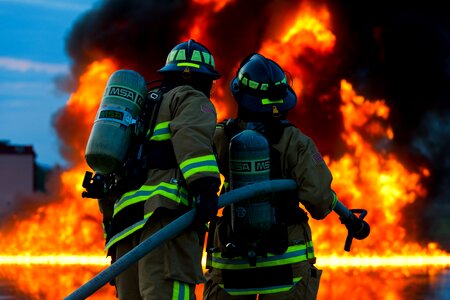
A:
x: 205, y: 9
x: 308, y: 30
x: 367, y: 178
x: 218, y: 4
x: 68, y: 231
x: 76, y: 223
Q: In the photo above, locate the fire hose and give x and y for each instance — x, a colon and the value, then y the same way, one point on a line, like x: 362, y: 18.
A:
x: 181, y: 223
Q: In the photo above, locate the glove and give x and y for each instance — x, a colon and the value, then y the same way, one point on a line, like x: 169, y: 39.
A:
x: 206, y: 207
x: 359, y: 228
x: 206, y: 200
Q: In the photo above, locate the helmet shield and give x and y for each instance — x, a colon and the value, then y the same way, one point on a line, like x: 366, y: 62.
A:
x: 260, y: 86
x: 190, y: 57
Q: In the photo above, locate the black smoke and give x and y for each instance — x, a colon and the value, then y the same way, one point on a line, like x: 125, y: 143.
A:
x: 140, y: 34
x: 137, y: 33
x: 392, y: 50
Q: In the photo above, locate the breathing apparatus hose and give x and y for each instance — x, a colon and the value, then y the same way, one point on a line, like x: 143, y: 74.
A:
x: 173, y: 229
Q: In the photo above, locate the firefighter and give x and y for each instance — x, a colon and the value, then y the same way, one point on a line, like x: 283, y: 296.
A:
x: 183, y: 173
x: 283, y: 267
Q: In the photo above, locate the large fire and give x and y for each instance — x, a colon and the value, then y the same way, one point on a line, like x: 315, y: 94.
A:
x: 367, y: 175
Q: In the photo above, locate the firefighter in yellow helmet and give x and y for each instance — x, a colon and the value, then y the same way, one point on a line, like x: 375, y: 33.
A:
x: 183, y: 173
x: 283, y: 267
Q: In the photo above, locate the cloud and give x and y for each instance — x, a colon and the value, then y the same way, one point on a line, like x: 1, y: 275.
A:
x: 61, y: 5
x: 11, y: 89
x: 23, y: 65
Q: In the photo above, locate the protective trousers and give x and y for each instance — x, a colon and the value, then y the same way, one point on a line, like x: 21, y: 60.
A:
x: 170, y: 271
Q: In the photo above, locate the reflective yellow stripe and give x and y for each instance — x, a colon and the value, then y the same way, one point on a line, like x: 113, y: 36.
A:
x: 196, y: 56
x: 146, y: 216
x: 181, y: 55
x: 194, y: 160
x: 294, y: 254
x: 104, y: 230
x: 255, y: 85
x: 266, y: 101
x: 126, y: 232
x: 335, y: 200
x: 162, y: 125
x: 186, y: 64
x: 175, y: 290
x: 131, y: 201
x: 161, y: 137
x: 180, y: 291
x: 161, y: 132
x: 169, y: 190
x: 207, y: 58
x: 226, y: 185
x: 206, y: 163
x: 171, y: 55
x: 210, y: 169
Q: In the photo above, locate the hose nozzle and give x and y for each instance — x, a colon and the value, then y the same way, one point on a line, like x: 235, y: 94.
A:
x: 356, y: 226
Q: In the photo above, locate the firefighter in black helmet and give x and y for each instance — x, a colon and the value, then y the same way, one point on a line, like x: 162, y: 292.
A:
x: 182, y: 174
x: 285, y: 269
x: 261, y: 90
x: 190, y: 58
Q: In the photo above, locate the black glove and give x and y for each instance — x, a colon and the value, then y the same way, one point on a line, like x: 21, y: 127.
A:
x: 206, y: 200
x: 357, y: 227
x: 206, y: 207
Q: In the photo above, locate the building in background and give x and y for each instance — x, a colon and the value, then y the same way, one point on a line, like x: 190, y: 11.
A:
x: 17, y: 175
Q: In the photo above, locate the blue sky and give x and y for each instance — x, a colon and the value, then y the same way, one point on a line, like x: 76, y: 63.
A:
x: 32, y: 54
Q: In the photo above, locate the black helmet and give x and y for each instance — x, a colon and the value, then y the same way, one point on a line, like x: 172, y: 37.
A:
x: 260, y: 86
x: 190, y: 57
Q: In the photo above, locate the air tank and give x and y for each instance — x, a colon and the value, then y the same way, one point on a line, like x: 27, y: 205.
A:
x: 122, y: 102
x: 249, y: 158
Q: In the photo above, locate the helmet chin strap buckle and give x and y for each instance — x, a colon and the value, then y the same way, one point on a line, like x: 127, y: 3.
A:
x: 186, y: 74
x: 275, y: 112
